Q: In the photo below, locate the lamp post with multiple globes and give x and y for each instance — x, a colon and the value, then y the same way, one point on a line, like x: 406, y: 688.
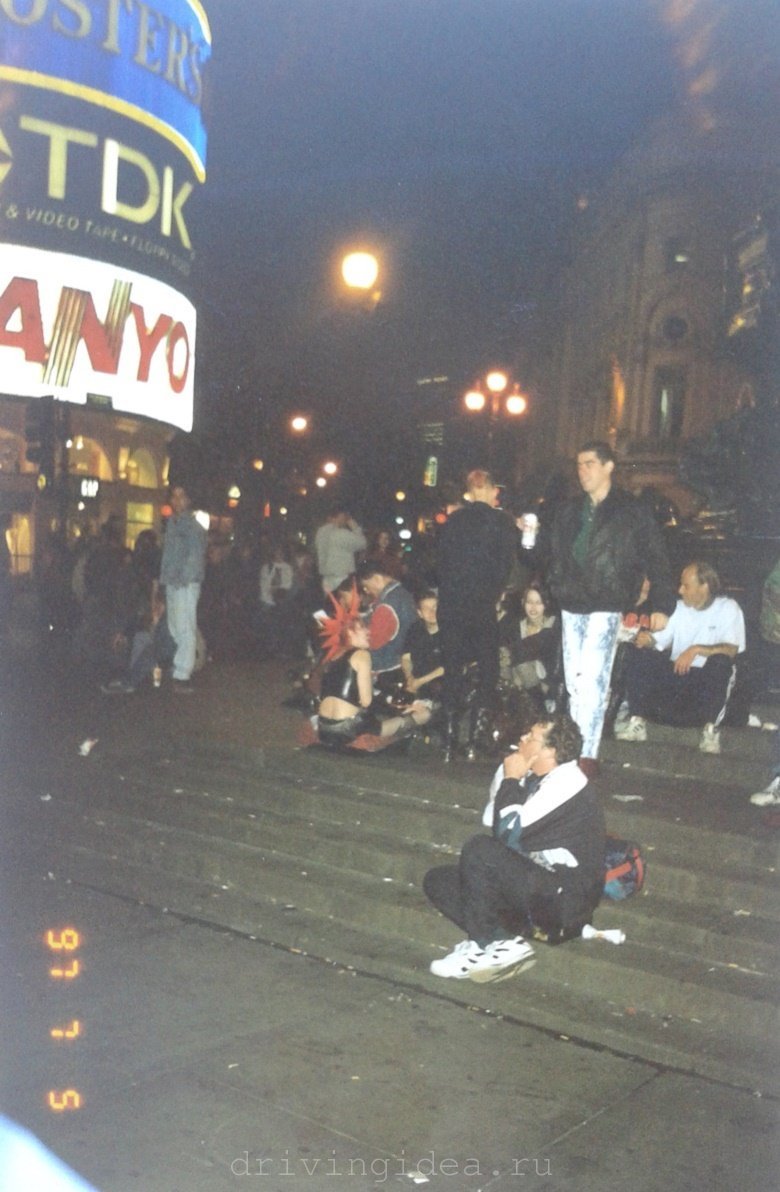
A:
x: 499, y: 397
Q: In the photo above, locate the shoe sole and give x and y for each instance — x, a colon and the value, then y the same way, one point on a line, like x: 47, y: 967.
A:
x: 491, y: 976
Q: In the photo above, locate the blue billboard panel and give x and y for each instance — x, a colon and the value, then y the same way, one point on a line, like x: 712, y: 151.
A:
x: 142, y: 62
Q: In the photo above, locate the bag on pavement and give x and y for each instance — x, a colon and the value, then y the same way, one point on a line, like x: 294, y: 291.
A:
x: 624, y: 869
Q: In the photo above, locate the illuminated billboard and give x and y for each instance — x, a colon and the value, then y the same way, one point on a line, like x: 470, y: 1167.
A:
x: 86, y: 331
x: 102, y: 159
x: 144, y: 62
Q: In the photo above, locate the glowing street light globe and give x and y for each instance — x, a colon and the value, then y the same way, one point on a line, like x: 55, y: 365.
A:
x: 496, y: 381
x: 299, y: 424
x: 360, y: 270
x: 474, y: 400
x: 330, y: 468
x: 516, y: 404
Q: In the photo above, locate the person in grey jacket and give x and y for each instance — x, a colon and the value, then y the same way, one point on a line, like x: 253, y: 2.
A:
x: 182, y: 569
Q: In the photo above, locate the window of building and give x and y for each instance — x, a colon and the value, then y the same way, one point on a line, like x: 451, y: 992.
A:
x: 18, y: 536
x: 675, y: 328
x: 677, y: 253
x: 141, y: 469
x: 669, y: 386
x: 87, y: 458
x: 140, y: 516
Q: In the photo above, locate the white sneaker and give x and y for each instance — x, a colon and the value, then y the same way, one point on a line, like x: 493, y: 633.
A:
x: 459, y: 961
x: 770, y: 797
x: 634, y: 729
x: 710, y: 739
x: 502, y: 958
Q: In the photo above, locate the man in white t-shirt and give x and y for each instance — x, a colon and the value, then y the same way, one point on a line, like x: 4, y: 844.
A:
x: 689, y: 685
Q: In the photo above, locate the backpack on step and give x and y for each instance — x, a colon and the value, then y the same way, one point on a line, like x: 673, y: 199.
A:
x: 624, y: 869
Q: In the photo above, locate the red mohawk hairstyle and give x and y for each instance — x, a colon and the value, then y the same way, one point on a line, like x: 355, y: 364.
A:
x: 333, y: 630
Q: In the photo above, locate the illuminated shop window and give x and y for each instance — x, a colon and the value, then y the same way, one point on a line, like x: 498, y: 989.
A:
x: 141, y: 469
x: 140, y: 516
x: 87, y: 458
x: 18, y: 535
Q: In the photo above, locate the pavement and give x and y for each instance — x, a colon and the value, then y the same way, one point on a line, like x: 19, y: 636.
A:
x: 208, y: 1059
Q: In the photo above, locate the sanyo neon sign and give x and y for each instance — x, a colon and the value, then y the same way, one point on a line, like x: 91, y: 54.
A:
x: 72, y: 326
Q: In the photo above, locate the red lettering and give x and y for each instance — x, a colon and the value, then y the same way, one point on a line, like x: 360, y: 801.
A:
x: 103, y: 354
x: 22, y: 295
x: 148, y: 339
x: 178, y: 333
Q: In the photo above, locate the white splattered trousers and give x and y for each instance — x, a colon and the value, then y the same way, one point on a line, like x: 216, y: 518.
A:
x: 589, y: 644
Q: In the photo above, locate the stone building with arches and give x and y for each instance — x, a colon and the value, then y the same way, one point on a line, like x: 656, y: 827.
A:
x: 109, y: 465
x: 644, y: 357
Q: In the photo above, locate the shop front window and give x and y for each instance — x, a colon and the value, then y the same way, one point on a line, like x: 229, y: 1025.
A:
x: 140, y: 516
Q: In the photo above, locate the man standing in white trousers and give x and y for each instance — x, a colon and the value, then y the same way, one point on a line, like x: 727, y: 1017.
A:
x: 182, y: 568
x: 604, y: 544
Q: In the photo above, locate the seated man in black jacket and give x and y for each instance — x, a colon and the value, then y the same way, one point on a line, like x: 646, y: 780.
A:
x: 543, y: 865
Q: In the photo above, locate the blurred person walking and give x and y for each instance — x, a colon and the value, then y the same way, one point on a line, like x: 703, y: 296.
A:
x: 182, y: 569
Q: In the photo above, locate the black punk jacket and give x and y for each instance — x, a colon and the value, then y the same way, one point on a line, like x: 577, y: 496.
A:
x: 625, y: 545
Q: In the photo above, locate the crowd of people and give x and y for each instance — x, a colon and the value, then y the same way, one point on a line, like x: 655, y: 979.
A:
x: 499, y: 640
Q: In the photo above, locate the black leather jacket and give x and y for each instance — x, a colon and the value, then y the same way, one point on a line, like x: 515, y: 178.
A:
x: 625, y: 545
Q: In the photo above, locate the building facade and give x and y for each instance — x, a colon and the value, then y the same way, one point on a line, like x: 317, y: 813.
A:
x: 645, y: 358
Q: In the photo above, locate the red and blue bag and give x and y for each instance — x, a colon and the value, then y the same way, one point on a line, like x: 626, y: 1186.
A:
x: 624, y: 869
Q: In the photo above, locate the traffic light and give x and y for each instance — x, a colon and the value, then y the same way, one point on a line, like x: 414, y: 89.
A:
x: 40, y: 431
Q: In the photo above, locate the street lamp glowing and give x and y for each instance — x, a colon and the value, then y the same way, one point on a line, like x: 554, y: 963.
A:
x: 330, y: 468
x: 258, y: 465
x: 516, y: 404
x: 360, y: 270
x: 299, y: 424
x: 320, y: 482
x: 474, y: 400
x: 496, y: 381
x: 400, y: 495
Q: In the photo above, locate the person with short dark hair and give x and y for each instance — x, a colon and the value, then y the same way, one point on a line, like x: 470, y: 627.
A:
x: 476, y: 550
x: 182, y: 568
x: 391, y: 615
x: 603, y: 545
x: 421, y: 659
x: 541, y: 868
x: 690, y: 684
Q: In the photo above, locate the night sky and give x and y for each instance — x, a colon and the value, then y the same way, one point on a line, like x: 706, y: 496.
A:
x: 452, y: 135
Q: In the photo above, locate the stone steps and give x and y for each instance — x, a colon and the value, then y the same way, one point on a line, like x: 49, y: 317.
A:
x: 326, y: 854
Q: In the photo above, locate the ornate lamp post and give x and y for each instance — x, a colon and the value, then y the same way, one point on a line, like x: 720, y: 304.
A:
x: 503, y: 398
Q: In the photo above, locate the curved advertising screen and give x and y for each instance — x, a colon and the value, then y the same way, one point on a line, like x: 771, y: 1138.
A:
x: 102, y: 161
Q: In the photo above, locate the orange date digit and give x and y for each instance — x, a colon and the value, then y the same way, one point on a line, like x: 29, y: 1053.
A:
x: 66, y: 940
x: 63, y: 1099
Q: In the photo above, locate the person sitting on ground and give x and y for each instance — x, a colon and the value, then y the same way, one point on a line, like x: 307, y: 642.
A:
x: 347, y: 707
x: 391, y: 615
x: 690, y: 685
x: 531, y: 645
x: 152, y: 650
x: 542, y: 868
x: 421, y: 660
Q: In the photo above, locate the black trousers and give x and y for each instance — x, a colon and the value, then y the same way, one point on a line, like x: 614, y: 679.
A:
x: 468, y: 638
x: 495, y: 893
x: 685, y: 701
